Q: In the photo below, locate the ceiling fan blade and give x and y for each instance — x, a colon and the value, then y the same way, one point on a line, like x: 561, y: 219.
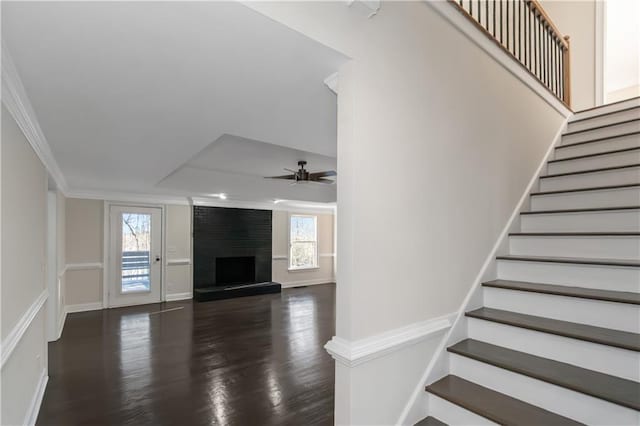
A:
x: 322, y: 174
x: 292, y: 171
x: 322, y: 180
x: 290, y: 177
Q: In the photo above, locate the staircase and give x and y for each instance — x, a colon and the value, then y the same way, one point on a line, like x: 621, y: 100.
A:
x: 557, y: 341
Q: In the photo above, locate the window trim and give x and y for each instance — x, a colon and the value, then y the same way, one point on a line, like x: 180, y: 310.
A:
x: 290, y: 244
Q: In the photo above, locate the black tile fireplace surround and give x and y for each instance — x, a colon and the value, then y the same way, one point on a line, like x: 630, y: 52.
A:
x: 231, y: 253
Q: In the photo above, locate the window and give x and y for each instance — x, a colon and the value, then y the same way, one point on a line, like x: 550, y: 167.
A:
x: 303, y: 242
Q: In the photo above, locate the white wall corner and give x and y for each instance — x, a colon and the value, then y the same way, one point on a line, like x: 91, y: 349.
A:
x: 36, y: 401
x: 16, y: 334
x: 353, y: 353
x: 373, y: 6
x: 332, y: 82
x: 458, y: 331
x: 14, y: 97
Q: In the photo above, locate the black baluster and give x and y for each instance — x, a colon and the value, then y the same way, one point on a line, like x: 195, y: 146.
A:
x: 493, y: 9
x: 486, y: 14
x: 507, y: 22
x: 501, y: 22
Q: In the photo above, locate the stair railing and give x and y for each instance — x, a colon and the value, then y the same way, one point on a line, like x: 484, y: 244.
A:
x: 524, y: 30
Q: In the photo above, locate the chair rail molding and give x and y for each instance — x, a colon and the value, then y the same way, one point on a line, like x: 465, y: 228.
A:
x: 14, y: 97
x: 353, y: 353
x: 85, y: 266
x: 14, y: 337
x: 179, y: 262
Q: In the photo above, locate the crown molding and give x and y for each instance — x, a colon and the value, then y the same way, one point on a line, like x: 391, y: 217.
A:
x: 372, y: 5
x: 15, y: 99
x: 130, y: 197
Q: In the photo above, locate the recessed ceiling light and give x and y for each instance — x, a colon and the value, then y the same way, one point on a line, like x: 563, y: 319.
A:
x: 276, y: 201
x: 222, y: 196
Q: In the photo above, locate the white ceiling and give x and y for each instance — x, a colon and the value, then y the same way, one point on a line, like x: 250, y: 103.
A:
x: 144, y: 96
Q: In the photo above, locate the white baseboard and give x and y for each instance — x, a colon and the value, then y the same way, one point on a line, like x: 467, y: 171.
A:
x: 409, y: 415
x: 36, y: 401
x: 10, y: 342
x: 61, y: 322
x: 83, y: 307
x: 178, y: 296
x: 316, y: 281
x: 352, y: 353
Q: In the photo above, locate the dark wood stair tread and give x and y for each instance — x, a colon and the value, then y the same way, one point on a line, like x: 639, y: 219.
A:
x: 585, y: 210
x: 595, y: 154
x: 592, y: 188
x: 584, y: 172
x: 599, y: 385
x: 589, y: 333
x: 493, y: 405
x: 572, y: 260
x: 430, y: 421
x: 602, y: 126
x: 569, y: 145
x: 561, y: 290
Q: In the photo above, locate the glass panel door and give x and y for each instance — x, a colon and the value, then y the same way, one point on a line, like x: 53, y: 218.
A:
x: 135, y: 265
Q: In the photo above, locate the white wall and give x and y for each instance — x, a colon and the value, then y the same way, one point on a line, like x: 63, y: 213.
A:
x: 179, y: 260
x: 280, y: 249
x: 622, y: 50
x: 23, y: 284
x: 436, y: 144
x: 84, y: 237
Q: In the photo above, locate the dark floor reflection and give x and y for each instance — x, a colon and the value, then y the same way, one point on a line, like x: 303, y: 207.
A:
x: 250, y: 361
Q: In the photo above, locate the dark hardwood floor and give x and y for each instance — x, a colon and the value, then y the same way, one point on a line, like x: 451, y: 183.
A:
x: 255, y: 360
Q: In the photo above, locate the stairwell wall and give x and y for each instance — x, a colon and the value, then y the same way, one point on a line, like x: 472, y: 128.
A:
x: 440, y: 141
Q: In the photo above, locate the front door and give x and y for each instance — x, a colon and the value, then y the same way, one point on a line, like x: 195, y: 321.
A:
x: 135, y: 261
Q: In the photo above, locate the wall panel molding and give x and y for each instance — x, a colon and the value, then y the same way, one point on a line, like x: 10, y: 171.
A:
x: 14, y: 337
x: 353, y: 353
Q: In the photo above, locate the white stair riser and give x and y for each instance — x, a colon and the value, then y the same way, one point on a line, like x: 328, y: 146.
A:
x: 602, y: 120
x: 591, y: 180
x: 453, y: 414
x: 617, y: 316
x: 590, y: 276
x: 626, y: 248
x: 592, y: 356
x: 598, y: 162
x: 607, y: 108
x: 559, y: 400
x: 611, y: 221
x: 605, y: 132
x: 629, y: 196
x: 624, y: 142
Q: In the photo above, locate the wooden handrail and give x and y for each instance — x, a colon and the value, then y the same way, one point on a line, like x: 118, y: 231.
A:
x: 535, y: 4
x: 524, y: 30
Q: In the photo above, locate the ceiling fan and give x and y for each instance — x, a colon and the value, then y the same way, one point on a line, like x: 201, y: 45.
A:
x: 303, y: 175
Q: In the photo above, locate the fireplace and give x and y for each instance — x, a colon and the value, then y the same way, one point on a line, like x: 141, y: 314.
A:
x: 235, y: 270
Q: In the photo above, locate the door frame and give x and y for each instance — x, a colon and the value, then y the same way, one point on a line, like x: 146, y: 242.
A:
x: 106, y: 249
